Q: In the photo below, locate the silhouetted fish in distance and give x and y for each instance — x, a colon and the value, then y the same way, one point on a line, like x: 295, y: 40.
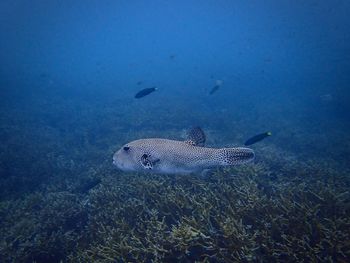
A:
x: 145, y: 92
x: 257, y: 138
x: 216, y: 87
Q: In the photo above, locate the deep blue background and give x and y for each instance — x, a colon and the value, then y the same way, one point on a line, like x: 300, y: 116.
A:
x: 270, y: 48
x: 73, y: 66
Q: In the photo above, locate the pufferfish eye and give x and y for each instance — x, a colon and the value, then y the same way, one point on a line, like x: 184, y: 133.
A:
x: 126, y: 148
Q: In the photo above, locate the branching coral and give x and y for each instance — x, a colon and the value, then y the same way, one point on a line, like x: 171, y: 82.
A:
x: 252, y: 213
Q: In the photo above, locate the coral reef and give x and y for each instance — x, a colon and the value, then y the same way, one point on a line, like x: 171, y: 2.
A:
x: 41, y: 228
x: 63, y: 201
x: 294, y: 212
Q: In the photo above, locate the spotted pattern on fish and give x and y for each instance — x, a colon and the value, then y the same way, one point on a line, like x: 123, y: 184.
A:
x: 234, y: 156
x: 176, y: 157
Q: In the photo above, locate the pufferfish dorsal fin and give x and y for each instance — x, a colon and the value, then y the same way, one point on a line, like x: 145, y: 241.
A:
x: 196, y: 137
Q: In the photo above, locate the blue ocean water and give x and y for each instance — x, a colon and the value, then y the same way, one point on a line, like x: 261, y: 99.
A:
x: 69, y: 71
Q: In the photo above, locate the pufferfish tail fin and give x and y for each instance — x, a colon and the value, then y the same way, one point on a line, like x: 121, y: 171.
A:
x: 234, y: 156
x: 196, y: 137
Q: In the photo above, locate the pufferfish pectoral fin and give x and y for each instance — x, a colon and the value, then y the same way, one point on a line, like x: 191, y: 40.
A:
x: 147, y: 161
x: 196, y: 137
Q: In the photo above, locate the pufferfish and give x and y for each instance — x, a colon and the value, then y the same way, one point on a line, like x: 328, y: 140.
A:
x: 178, y: 157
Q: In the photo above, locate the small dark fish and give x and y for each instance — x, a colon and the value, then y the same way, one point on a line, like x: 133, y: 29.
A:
x: 172, y: 56
x: 257, y: 138
x: 218, y: 84
x: 214, y: 89
x: 145, y: 92
x: 139, y: 83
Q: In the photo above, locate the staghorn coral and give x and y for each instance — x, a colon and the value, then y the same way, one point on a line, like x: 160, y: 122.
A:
x: 41, y: 227
x: 279, y: 209
x: 223, y: 218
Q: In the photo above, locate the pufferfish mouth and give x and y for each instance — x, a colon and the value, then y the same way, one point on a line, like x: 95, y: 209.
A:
x: 118, y: 163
